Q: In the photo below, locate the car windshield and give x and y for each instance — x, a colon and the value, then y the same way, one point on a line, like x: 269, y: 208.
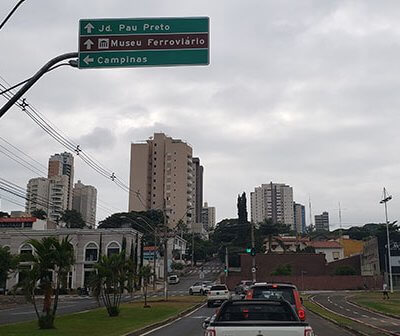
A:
x: 218, y: 287
x: 273, y: 293
x: 253, y: 312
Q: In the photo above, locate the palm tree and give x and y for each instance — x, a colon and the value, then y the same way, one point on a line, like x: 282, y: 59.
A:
x: 108, y: 281
x: 51, y: 260
x: 145, y: 273
x: 8, y: 263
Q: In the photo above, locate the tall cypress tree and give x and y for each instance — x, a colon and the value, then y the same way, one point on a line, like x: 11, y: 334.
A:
x: 242, y: 208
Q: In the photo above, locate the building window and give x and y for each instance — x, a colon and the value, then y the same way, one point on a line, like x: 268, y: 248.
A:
x: 91, y: 252
x: 26, y: 249
x: 335, y: 255
x: 113, y: 248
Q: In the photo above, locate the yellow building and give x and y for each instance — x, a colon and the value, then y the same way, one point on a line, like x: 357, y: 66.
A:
x: 351, y: 246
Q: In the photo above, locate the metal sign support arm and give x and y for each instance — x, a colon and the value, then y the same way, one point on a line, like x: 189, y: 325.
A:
x: 34, y: 79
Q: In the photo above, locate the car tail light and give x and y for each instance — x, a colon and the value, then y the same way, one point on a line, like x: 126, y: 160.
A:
x: 211, y: 332
x: 307, y: 332
x: 302, y: 314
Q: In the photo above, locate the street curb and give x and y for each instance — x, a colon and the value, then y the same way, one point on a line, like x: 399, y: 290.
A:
x: 352, y: 330
x: 166, y: 321
x: 348, y: 298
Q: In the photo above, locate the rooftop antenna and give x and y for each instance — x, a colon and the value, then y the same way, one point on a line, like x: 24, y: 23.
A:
x: 309, y: 206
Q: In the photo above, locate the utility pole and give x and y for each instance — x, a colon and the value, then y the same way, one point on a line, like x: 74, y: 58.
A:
x: 192, y: 245
x: 154, y: 260
x: 253, y: 254
x: 165, y: 253
x: 387, y: 198
x: 226, y: 263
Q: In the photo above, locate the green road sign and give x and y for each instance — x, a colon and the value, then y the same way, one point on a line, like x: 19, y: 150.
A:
x: 110, y: 43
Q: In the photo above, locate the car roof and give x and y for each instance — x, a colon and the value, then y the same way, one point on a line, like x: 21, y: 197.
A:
x: 274, y: 285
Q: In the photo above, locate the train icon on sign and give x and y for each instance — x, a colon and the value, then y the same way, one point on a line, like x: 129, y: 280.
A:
x: 103, y: 43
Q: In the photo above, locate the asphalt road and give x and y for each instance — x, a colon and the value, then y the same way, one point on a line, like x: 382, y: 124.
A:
x: 191, y: 325
x: 69, y: 305
x: 336, y: 302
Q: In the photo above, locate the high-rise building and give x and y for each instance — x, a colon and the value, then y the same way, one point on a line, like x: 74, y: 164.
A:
x: 58, y: 197
x: 208, y: 217
x: 63, y: 165
x: 84, y: 200
x: 37, y: 195
x: 322, y: 222
x: 197, y: 190
x: 299, y: 212
x: 272, y: 201
x: 162, y: 175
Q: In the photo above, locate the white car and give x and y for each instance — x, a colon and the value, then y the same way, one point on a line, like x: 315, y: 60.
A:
x: 173, y: 279
x: 217, y: 295
x: 254, y: 317
x: 201, y: 287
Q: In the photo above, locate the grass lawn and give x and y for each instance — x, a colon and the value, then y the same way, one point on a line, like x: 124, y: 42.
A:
x: 341, y: 321
x: 374, y: 301
x: 96, y: 322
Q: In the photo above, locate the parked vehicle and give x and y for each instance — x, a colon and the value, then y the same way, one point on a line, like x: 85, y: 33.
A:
x: 173, y: 279
x: 256, y: 317
x: 217, y: 295
x: 243, y: 286
x: 202, y: 287
x: 287, y: 292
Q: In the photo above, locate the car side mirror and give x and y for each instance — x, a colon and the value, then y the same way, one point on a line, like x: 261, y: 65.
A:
x: 206, y: 323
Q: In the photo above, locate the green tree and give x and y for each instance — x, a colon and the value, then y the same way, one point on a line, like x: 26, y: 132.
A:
x: 145, y: 274
x: 345, y: 270
x: 39, y: 214
x: 283, y: 270
x: 8, y: 264
x: 270, y: 231
x: 73, y: 219
x: 4, y: 214
x: 52, y: 259
x: 242, y: 208
x: 108, y: 281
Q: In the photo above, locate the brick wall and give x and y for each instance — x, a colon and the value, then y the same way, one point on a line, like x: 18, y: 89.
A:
x: 354, y: 262
x: 322, y: 282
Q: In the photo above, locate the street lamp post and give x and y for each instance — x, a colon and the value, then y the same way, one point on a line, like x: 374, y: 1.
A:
x: 154, y: 253
x: 387, y: 198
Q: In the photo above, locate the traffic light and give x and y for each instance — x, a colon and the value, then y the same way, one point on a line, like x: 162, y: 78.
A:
x: 253, y: 252
x: 248, y: 250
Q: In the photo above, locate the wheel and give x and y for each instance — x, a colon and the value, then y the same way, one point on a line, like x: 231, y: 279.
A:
x: 190, y: 292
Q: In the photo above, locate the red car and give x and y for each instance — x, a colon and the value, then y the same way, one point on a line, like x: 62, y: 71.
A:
x: 289, y: 292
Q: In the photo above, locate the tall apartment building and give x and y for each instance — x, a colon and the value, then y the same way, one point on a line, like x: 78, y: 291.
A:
x: 161, y: 168
x: 197, y: 190
x: 37, y: 195
x: 273, y: 201
x: 322, y: 222
x: 84, y: 200
x: 63, y: 165
x: 299, y: 212
x: 208, y: 217
x: 48, y: 194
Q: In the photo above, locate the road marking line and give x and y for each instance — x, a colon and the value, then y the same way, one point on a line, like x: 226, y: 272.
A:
x: 394, y: 323
x: 178, y: 319
x: 365, y: 316
x: 354, y: 312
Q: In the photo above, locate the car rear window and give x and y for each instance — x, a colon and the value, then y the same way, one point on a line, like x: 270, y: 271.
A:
x: 267, y: 292
x: 218, y: 287
x: 261, y: 312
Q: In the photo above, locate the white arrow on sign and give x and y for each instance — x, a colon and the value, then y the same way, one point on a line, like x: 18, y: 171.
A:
x: 88, y: 60
x: 89, y: 28
x: 88, y: 44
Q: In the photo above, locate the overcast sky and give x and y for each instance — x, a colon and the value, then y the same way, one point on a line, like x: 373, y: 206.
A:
x: 297, y: 91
